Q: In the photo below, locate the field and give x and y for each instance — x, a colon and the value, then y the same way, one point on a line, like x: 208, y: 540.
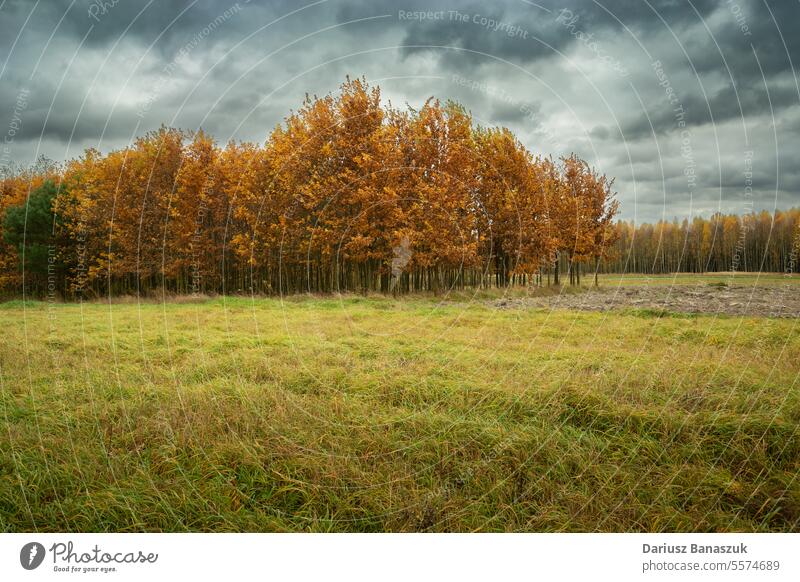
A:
x: 767, y: 295
x: 414, y: 414
x: 680, y: 279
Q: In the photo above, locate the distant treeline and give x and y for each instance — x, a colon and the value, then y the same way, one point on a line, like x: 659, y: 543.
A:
x: 348, y: 194
x: 760, y: 241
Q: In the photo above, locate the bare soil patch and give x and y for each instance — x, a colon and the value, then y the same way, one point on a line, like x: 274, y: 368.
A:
x: 761, y: 301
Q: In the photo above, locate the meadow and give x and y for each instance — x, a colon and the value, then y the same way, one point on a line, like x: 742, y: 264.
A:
x: 351, y: 413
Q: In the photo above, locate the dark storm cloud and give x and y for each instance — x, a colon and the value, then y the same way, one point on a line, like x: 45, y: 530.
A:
x: 642, y: 16
x: 746, y: 51
x: 564, y: 75
x: 723, y: 105
x: 761, y: 37
x: 523, y: 32
x: 477, y: 33
x: 166, y: 25
x: 510, y: 113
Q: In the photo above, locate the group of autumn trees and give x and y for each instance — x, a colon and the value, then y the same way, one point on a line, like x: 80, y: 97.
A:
x: 757, y: 241
x: 347, y: 195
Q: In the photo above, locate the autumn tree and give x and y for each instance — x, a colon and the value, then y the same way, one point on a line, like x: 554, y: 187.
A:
x: 582, y: 208
x: 512, y: 209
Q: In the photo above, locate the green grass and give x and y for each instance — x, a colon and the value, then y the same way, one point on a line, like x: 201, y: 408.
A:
x: 373, y: 414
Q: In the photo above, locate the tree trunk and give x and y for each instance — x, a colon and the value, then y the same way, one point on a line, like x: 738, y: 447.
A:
x: 555, y: 271
x: 596, y: 269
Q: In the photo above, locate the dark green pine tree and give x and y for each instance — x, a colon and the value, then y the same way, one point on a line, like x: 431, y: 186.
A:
x: 32, y: 228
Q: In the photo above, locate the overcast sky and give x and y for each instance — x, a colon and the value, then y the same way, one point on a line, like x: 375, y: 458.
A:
x: 677, y: 99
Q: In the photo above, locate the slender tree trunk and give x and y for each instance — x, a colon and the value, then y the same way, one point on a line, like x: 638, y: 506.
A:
x: 556, y: 280
x: 596, y: 269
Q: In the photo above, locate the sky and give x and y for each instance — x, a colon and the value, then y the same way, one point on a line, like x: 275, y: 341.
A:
x: 693, y: 106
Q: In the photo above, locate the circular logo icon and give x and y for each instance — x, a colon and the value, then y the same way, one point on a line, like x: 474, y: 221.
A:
x: 31, y: 555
